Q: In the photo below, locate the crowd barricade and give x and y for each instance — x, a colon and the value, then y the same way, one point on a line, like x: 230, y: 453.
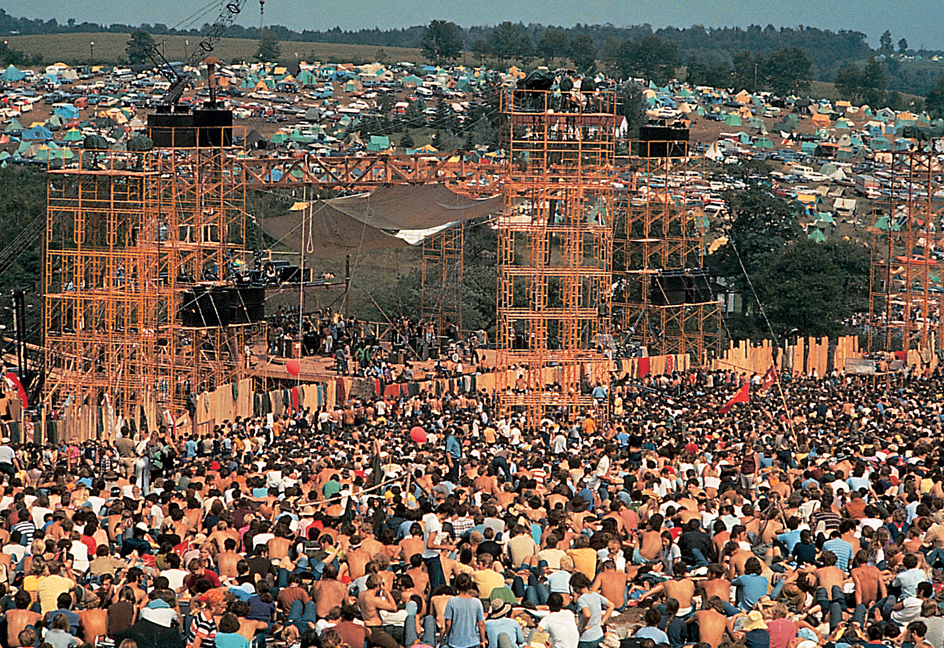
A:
x: 251, y: 398
x: 798, y: 355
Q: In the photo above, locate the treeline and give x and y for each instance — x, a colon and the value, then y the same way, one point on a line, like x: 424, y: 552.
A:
x: 826, y: 49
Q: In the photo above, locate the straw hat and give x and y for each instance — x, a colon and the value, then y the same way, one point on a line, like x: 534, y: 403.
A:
x: 499, y: 609
x: 755, y: 621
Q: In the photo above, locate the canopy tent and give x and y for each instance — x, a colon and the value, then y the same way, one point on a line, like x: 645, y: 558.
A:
x: 408, y: 207
x: 37, y: 133
x: 12, y: 75
x: 333, y: 233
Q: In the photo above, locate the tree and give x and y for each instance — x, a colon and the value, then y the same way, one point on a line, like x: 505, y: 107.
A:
x: 139, y: 46
x: 553, y: 44
x: 863, y: 86
x: 269, y: 48
x: 442, y: 41
x: 788, y: 71
x: 934, y: 101
x: 747, y: 71
x: 582, y: 52
x: 885, y: 43
x: 903, y: 46
x: 813, y: 287
x: 651, y: 58
x: 848, y: 81
x: 509, y: 41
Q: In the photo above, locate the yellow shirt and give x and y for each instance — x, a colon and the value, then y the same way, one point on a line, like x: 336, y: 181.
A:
x: 50, y: 589
x: 585, y: 560
x: 487, y: 580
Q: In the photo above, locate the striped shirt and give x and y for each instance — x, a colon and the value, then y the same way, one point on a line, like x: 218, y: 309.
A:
x: 843, y: 551
x: 203, y: 626
x: 27, y: 528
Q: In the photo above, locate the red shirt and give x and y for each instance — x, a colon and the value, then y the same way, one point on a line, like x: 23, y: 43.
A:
x: 781, y: 632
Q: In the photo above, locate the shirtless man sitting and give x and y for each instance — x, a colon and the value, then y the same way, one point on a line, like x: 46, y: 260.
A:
x: 20, y: 618
x: 712, y: 622
x: 93, y: 623
x: 611, y: 583
x: 228, y: 559
x: 870, y: 589
x: 829, y: 594
x: 650, y: 541
x: 329, y: 592
x: 717, y: 586
x: 374, y: 599
x: 680, y: 588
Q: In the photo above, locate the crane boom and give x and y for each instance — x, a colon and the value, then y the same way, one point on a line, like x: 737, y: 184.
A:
x: 180, y: 80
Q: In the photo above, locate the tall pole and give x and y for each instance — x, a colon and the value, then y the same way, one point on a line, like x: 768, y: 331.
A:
x: 347, y: 285
x: 301, y: 283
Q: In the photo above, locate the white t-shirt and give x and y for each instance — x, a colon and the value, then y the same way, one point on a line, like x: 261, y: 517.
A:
x: 562, y: 627
x: 431, y: 525
x: 175, y: 577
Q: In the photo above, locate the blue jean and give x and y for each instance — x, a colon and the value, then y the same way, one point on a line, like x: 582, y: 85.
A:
x: 409, y: 627
x: 700, y: 560
x: 835, y: 605
x: 861, y: 611
x: 301, y: 615
x: 435, y: 571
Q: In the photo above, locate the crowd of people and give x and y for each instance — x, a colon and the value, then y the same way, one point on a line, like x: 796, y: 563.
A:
x: 811, y: 516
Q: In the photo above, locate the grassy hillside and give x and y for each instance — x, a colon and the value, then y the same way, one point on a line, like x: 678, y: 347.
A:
x: 75, y: 49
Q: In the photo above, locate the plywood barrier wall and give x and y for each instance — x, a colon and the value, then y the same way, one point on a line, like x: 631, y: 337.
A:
x: 800, y: 356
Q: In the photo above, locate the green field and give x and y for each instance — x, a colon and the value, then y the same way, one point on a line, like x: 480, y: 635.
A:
x: 76, y: 49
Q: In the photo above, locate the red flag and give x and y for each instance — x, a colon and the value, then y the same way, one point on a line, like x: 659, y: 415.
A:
x: 769, y: 379
x: 742, y: 396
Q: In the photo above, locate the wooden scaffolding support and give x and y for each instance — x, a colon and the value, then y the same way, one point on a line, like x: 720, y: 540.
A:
x: 554, y: 249
x: 905, y: 295
x: 656, y: 235
x: 129, y: 237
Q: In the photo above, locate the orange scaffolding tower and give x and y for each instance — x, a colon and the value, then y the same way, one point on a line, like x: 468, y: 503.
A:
x: 662, y: 298
x: 905, y: 294
x: 554, y: 249
x: 441, y: 296
x: 134, y: 241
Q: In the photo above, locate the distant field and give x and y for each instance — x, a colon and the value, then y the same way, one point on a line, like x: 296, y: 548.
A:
x: 75, y: 49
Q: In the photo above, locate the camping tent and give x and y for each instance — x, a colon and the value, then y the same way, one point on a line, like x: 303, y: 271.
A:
x: 11, y: 75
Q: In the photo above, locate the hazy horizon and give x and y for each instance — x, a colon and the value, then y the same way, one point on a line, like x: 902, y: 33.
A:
x: 868, y: 16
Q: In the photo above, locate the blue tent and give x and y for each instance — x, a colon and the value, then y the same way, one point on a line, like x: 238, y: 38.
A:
x: 37, y: 133
x: 11, y: 75
x: 68, y: 112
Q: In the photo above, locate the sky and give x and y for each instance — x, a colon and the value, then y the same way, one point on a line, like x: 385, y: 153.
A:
x: 914, y: 19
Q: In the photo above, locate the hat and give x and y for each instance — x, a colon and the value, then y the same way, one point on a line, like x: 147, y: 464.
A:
x: 198, y: 540
x: 142, y: 526
x: 5, y: 440
x: 499, y: 609
x: 611, y: 640
x: 754, y: 621
x: 307, y: 511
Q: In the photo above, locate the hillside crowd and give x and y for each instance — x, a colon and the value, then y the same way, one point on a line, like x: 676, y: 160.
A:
x: 811, y: 516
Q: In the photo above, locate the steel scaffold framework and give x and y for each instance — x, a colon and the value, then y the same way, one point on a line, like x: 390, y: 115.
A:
x: 905, y: 294
x: 441, y: 295
x: 554, y: 248
x: 656, y: 232
x: 129, y: 235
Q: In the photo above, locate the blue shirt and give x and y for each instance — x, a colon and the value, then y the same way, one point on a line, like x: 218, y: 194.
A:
x: 650, y: 632
x: 465, y: 614
x: 750, y: 588
x: 790, y: 538
x: 453, y: 447
x: 191, y: 448
x: 510, y: 627
x: 592, y: 601
x: 843, y: 551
